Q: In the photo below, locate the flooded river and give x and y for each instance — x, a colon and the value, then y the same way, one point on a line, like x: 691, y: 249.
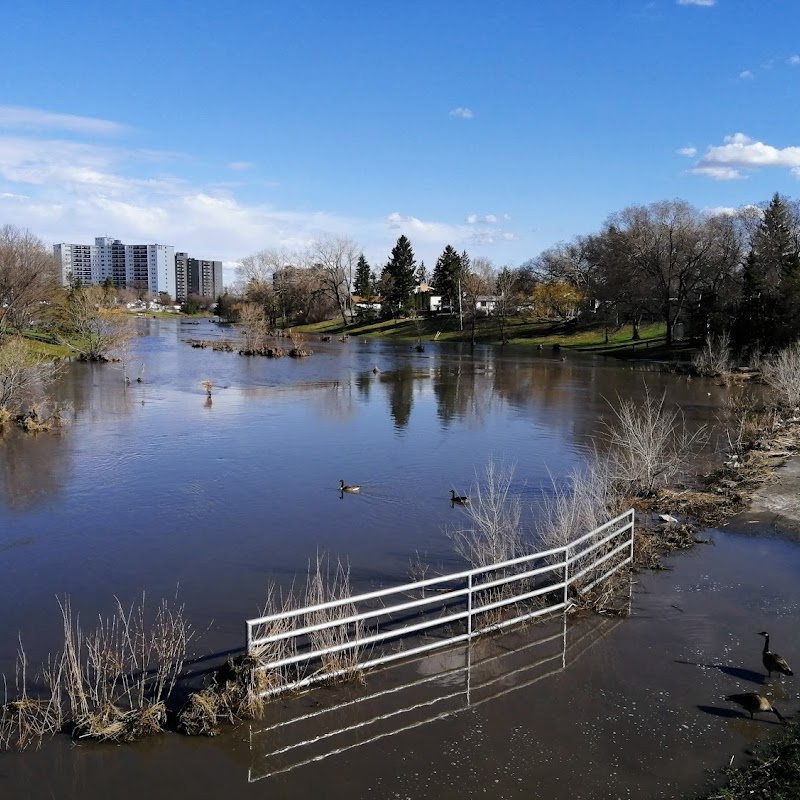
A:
x: 151, y: 488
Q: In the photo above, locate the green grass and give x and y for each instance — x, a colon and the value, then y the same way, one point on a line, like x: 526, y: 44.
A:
x: 42, y: 343
x: 519, y: 332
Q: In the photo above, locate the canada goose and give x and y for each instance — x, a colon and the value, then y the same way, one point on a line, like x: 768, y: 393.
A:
x: 754, y: 703
x: 460, y: 499
x: 343, y: 487
x: 772, y: 661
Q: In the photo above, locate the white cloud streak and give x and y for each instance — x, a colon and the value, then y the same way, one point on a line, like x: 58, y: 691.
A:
x: 72, y: 191
x: 18, y: 118
x: 462, y: 113
x: 240, y: 166
x: 793, y: 60
x: 689, y: 152
x: 705, y: 3
x: 746, y: 75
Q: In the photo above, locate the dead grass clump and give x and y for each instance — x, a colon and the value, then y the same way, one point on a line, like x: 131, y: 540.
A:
x: 706, y: 507
x: 119, y: 677
x: 650, y: 546
x: 202, y: 713
x: 28, y: 719
x: 40, y: 418
x: 327, y: 584
x: 112, y: 723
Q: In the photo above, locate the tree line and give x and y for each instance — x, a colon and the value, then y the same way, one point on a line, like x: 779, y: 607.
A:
x: 734, y: 271
x: 697, y: 272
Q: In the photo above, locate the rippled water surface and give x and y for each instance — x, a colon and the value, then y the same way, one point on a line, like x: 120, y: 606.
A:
x: 152, y: 488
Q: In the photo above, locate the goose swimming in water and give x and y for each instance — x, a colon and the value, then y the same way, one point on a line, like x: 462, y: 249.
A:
x: 343, y: 487
x: 460, y: 499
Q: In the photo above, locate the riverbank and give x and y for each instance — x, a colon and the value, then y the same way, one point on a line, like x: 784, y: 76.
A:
x: 519, y: 332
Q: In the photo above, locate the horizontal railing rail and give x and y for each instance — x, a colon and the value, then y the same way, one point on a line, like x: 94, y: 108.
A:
x: 466, y: 604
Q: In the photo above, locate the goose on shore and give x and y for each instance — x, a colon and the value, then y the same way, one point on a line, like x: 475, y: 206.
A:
x: 772, y: 661
x: 343, y: 487
x: 459, y: 499
x: 755, y: 703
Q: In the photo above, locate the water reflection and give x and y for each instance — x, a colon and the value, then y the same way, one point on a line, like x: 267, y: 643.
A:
x: 399, y: 385
x: 33, y: 469
x: 417, y: 693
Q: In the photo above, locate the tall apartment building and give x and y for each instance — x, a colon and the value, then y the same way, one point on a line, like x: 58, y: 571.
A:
x: 138, y: 266
x: 194, y: 276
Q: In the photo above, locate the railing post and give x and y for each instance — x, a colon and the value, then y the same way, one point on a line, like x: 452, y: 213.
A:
x: 566, y: 577
x: 469, y: 606
x: 249, y: 637
x: 633, y: 528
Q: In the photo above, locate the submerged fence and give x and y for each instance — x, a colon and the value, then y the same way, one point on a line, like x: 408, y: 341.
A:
x: 301, y: 646
x: 418, y: 692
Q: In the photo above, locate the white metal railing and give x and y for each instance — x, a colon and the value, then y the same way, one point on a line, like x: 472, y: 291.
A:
x: 476, y: 601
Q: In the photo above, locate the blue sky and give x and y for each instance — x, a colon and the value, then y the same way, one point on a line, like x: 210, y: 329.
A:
x: 500, y: 128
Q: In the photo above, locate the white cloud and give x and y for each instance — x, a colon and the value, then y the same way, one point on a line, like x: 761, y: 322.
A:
x: 696, y: 2
x: 414, y: 227
x: 34, y: 119
x: 729, y: 211
x: 462, y: 113
x: 489, y: 219
x: 689, y: 152
x: 441, y: 234
x: 746, y: 75
x: 240, y: 166
x: 739, y: 152
x: 718, y: 173
x: 793, y: 60
x: 69, y: 190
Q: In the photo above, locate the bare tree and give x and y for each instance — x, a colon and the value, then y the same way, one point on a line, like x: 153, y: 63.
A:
x: 27, y: 277
x: 24, y: 376
x: 89, y: 330
x: 670, y: 245
x: 477, y: 282
x: 253, y: 326
x: 336, y: 259
x: 505, y: 289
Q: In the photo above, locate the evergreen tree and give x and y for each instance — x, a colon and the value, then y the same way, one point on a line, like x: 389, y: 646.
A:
x: 399, y: 276
x: 447, y: 274
x: 776, y: 242
x: 768, y: 311
x: 362, y: 285
x: 422, y: 273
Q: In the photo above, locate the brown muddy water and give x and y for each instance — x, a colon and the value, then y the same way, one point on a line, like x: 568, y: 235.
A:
x: 152, y: 489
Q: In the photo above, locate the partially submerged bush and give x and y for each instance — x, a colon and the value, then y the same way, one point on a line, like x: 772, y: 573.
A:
x: 714, y: 358
x: 25, y: 377
x: 492, y: 532
x: 782, y: 372
x: 648, y: 443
